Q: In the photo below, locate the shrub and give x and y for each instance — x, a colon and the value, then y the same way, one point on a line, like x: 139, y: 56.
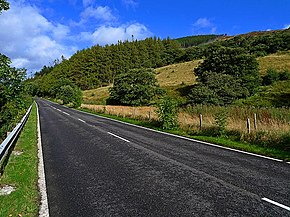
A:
x: 136, y: 87
x: 70, y: 94
x: 221, y: 121
x: 167, y: 113
x: 271, y: 76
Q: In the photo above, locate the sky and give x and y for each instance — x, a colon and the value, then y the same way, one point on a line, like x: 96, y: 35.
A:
x: 34, y: 33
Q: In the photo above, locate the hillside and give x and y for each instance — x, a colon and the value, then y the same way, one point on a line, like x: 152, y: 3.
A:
x: 279, y: 61
x: 98, y: 66
x: 176, y: 78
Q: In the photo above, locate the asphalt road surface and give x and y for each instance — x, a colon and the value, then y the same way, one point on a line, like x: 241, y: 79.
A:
x: 99, y: 167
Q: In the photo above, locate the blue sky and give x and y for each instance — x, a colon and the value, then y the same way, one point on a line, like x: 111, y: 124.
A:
x: 35, y: 32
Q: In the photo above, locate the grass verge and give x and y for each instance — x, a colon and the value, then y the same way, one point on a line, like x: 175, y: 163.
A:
x: 21, y: 173
x: 223, y: 141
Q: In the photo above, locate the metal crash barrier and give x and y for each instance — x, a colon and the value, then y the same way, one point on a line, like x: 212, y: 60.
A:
x: 7, y: 144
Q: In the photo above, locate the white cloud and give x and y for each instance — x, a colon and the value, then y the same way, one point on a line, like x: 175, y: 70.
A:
x: 29, y: 39
x: 287, y: 26
x: 204, y: 25
x: 111, y: 35
x: 87, y: 3
x: 99, y: 13
x: 130, y: 3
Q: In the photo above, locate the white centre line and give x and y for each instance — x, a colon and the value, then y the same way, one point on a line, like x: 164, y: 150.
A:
x: 118, y: 137
x: 58, y: 110
x: 276, y: 203
x: 81, y: 120
x: 66, y: 113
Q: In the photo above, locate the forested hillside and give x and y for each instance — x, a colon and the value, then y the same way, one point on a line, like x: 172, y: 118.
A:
x: 99, y: 65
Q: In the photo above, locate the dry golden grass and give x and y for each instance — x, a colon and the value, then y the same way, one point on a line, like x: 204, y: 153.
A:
x: 190, y: 121
x: 279, y: 61
x: 177, y: 74
x: 142, y: 112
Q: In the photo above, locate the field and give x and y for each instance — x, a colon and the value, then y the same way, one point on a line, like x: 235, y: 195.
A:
x: 279, y: 61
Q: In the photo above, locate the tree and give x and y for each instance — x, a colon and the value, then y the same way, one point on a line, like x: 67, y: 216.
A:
x: 225, y: 75
x: 11, y: 100
x: 10, y: 81
x: 136, y: 87
x: 70, y: 95
x: 4, y: 5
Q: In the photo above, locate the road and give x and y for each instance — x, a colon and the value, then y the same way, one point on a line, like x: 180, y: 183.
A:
x: 99, y: 167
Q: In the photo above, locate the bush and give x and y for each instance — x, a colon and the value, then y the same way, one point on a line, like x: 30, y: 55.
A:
x: 227, y: 74
x: 221, y: 121
x: 218, y: 89
x: 271, y: 77
x: 70, y: 95
x: 167, y: 113
x: 136, y: 87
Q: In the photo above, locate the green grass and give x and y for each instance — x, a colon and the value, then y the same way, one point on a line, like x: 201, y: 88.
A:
x: 279, y: 61
x: 21, y: 172
x: 223, y: 141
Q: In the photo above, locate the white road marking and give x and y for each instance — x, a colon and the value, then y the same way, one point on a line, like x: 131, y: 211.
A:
x: 43, y: 209
x: 58, y: 110
x: 65, y: 113
x: 81, y: 120
x: 186, y: 138
x: 118, y: 137
x: 276, y: 203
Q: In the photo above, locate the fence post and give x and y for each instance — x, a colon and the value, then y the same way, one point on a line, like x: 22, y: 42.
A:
x: 104, y: 110
x: 255, y: 121
x: 249, y: 125
x: 200, y: 121
x: 149, y: 115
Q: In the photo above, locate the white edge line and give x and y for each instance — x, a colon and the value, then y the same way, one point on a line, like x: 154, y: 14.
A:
x: 81, y: 120
x: 276, y: 203
x: 43, y: 209
x: 288, y: 162
x: 112, y: 134
x: 189, y: 139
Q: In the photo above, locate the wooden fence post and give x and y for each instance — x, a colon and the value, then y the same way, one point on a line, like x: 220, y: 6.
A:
x: 200, y: 121
x: 255, y: 121
x: 249, y: 125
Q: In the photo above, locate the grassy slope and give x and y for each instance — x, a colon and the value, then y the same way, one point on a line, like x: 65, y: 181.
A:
x: 279, y: 61
x: 171, y: 78
x: 21, y: 172
x: 177, y: 78
x: 96, y: 96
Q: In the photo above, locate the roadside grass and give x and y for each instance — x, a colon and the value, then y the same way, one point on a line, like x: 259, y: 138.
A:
x: 21, y: 173
x: 236, y: 140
